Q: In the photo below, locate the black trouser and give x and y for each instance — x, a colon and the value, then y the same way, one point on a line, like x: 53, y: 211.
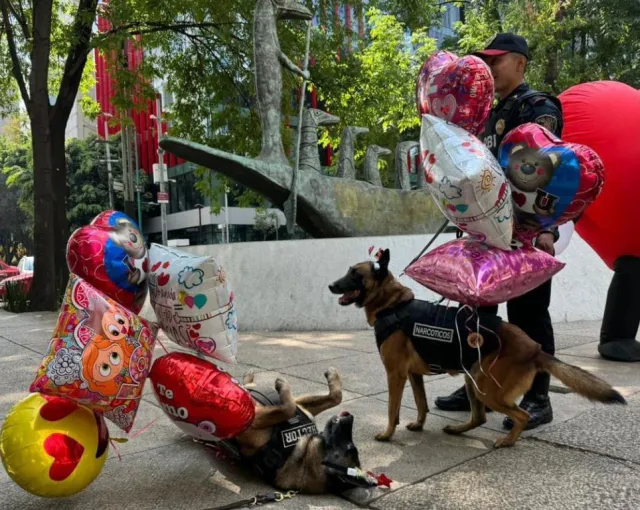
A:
x: 622, y: 311
x: 530, y: 312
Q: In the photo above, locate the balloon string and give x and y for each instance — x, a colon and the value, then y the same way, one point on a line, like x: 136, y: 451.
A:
x: 478, y: 327
x: 144, y: 429
x: 162, y: 345
x: 460, y: 344
x: 115, y: 449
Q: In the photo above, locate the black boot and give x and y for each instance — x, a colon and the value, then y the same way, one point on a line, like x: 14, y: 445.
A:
x: 622, y: 313
x: 457, y: 401
x: 536, y: 402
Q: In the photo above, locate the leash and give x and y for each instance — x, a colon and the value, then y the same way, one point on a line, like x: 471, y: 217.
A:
x: 431, y: 241
x: 257, y: 500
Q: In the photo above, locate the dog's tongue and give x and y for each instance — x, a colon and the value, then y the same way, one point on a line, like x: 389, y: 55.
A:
x: 345, y: 413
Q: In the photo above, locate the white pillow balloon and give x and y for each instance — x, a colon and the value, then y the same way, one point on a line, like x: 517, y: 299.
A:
x: 466, y: 182
x: 193, y: 302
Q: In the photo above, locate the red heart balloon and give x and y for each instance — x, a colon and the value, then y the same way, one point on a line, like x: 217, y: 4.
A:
x: 111, y: 255
x: 552, y: 181
x: 201, y: 399
x: 459, y: 90
x: 605, y: 115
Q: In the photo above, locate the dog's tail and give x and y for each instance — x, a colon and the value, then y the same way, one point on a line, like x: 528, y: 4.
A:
x: 579, y: 380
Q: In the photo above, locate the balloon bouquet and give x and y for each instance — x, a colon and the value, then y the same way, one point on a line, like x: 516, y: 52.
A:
x: 55, y: 442
x: 537, y: 182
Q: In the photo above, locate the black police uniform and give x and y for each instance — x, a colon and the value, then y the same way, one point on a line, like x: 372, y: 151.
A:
x: 529, y: 311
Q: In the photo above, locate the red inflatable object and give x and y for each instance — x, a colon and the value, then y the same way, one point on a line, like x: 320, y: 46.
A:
x: 459, y: 90
x: 605, y: 115
x: 111, y: 255
x: 200, y: 398
x: 552, y: 181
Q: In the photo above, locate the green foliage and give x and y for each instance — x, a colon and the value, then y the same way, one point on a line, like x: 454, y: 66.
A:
x: 16, y: 297
x: 374, y: 87
x: 571, y: 41
x: 87, y: 177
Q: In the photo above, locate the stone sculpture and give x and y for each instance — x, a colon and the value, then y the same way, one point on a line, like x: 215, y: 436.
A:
x: 371, y: 170
x: 326, y: 206
x: 346, y: 164
x: 268, y: 59
x: 312, y: 119
x: 402, y: 165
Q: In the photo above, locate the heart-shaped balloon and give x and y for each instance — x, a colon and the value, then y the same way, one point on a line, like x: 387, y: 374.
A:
x: 111, y: 255
x: 456, y: 89
x: 200, y: 398
x: 552, y: 181
x: 605, y: 115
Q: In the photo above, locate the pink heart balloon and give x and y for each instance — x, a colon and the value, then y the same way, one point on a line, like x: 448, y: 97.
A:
x: 459, y: 90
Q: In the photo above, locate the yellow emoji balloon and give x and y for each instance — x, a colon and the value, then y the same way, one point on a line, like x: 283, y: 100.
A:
x: 52, y: 447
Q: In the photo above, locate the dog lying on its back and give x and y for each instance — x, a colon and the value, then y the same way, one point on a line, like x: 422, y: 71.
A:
x: 284, y: 446
x: 510, y: 358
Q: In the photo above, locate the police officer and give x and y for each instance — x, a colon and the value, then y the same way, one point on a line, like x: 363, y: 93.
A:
x: 508, y: 55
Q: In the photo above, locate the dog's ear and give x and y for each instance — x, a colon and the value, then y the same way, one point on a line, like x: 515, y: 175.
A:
x: 382, y: 265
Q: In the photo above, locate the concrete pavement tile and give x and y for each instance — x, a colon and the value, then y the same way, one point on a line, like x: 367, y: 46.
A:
x: 178, y: 476
x: 15, y: 379
x: 160, y: 431
x: 566, y: 406
x: 589, y: 350
x: 410, y: 456
x: 567, y: 341
x: 363, y: 341
x: 277, y: 353
x: 363, y: 373
x: 612, y: 430
x: 34, y: 338
x: 532, y: 475
x: 11, y: 352
x: 267, y: 378
x: 578, y: 327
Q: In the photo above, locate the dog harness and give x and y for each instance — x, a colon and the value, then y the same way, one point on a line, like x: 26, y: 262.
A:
x: 434, y: 335
x: 273, y: 456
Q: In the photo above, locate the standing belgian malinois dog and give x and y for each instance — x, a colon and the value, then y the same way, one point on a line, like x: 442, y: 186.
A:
x: 417, y: 338
x: 284, y: 447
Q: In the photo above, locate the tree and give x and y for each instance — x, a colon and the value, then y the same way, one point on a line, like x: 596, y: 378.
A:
x: 203, y: 47
x: 571, y: 41
x: 15, y: 155
x: 374, y: 87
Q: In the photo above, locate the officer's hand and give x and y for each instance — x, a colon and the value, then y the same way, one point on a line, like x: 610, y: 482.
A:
x: 545, y: 243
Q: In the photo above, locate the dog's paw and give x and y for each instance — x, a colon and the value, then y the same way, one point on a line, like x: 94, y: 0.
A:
x: 451, y: 429
x: 249, y: 377
x: 281, y: 384
x: 415, y: 426
x: 331, y: 374
x: 503, y: 443
x: 383, y: 437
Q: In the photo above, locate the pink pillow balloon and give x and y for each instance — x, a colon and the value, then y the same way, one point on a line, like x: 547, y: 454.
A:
x: 459, y: 90
x: 472, y: 273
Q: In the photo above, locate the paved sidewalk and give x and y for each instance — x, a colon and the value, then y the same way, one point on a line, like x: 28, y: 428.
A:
x: 589, y: 457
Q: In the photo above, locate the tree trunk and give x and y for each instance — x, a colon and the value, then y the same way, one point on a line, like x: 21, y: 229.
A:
x: 43, y: 290
x: 61, y: 225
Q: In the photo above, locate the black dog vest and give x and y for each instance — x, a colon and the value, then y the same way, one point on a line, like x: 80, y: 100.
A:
x: 434, y: 335
x: 273, y: 456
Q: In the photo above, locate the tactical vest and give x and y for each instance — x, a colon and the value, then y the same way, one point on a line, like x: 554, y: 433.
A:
x: 434, y: 335
x: 510, y: 116
x: 284, y: 438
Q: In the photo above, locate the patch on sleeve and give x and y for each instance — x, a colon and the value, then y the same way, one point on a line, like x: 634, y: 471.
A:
x: 547, y: 121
